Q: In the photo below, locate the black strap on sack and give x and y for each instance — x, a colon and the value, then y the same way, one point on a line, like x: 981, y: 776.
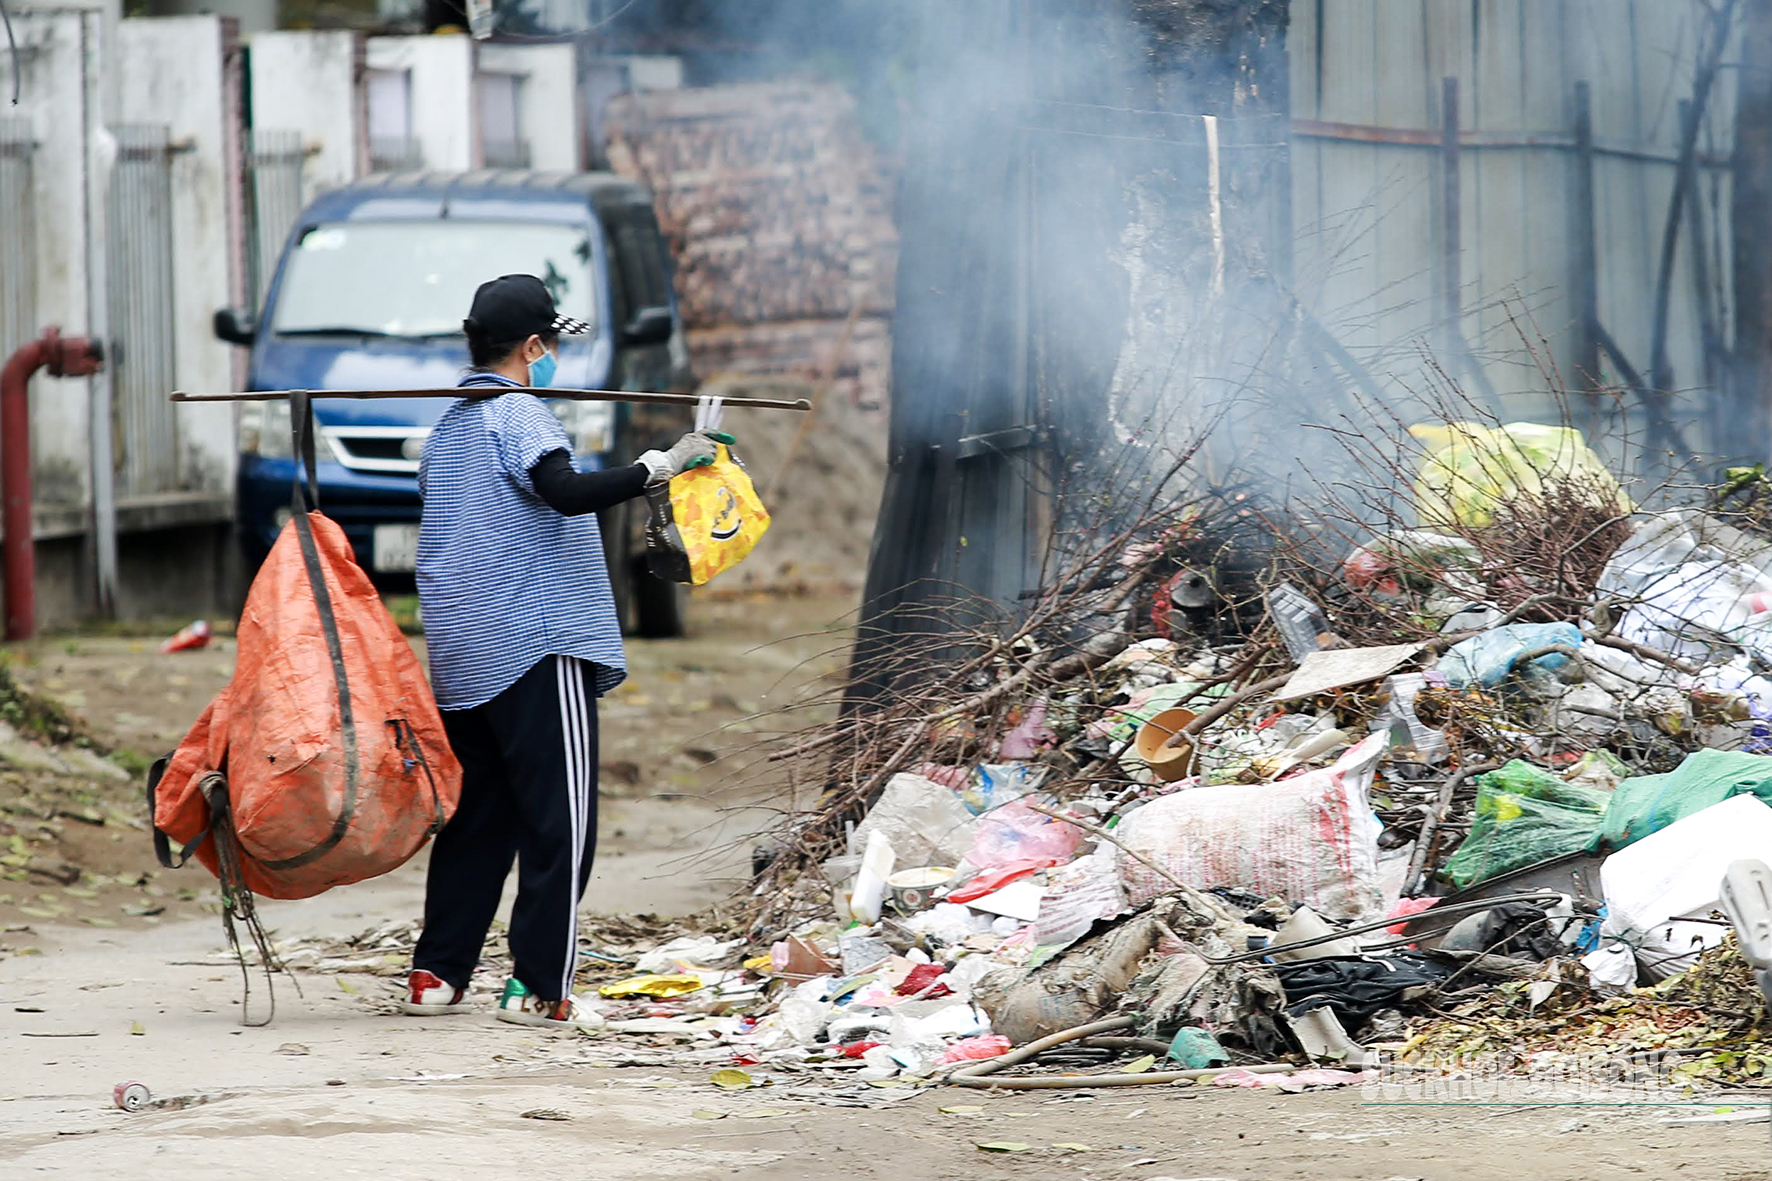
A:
x: 406, y: 738
x: 305, y: 499
x: 163, y: 843
x: 237, y: 900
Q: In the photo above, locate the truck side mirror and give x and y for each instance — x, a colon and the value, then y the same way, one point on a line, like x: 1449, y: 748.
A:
x: 648, y: 326
x: 235, y: 325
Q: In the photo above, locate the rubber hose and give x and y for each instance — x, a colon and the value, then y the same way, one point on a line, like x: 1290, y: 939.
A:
x: 977, y: 1075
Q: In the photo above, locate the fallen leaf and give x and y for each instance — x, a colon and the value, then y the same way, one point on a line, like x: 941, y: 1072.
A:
x: 1139, y: 1065
x: 548, y: 1113
x: 962, y: 1109
x: 92, y: 920
x: 762, y: 1113
x: 732, y: 1080
x: 1069, y: 1146
x: 347, y: 986
x: 704, y: 1113
x: 1003, y: 1146
x: 293, y: 1049
x: 137, y: 1029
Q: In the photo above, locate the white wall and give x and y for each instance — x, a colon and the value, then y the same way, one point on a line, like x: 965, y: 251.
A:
x: 549, y: 114
x: 442, y: 72
x: 306, y: 82
x: 169, y: 70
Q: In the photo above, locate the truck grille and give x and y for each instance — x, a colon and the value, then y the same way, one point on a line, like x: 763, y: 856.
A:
x: 377, y: 449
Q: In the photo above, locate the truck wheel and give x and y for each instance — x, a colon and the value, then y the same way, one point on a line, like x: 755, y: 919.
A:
x: 660, y: 607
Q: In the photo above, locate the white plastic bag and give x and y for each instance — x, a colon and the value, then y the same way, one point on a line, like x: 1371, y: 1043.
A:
x: 1311, y: 839
x: 1652, y: 883
x: 1691, y: 594
x: 925, y: 822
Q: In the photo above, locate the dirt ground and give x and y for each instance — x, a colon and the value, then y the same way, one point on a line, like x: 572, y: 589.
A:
x: 122, y: 981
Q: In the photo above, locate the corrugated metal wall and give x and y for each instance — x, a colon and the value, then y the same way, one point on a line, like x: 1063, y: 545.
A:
x: 18, y: 235
x: 1370, y: 256
x: 143, y: 354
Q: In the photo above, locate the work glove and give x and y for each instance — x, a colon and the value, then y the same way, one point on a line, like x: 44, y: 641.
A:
x: 696, y: 449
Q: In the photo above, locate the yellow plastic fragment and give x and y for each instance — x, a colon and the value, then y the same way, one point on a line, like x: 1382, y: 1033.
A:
x: 653, y: 986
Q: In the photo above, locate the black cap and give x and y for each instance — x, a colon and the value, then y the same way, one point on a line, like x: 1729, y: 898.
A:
x: 511, y: 308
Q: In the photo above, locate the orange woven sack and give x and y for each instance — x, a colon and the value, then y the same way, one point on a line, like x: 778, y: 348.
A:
x: 324, y: 760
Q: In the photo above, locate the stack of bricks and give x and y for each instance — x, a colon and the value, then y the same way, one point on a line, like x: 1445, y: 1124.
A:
x: 779, y: 216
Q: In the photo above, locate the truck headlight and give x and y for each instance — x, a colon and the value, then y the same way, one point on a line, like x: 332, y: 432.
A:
x: 590, y: 425
x: 265, y: 432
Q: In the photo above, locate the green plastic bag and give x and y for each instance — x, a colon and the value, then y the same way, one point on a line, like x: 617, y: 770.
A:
x: 1524, y: 815
x: 1649, y: 803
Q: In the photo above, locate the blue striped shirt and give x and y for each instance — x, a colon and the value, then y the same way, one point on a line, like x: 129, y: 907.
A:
x: 505, y: 581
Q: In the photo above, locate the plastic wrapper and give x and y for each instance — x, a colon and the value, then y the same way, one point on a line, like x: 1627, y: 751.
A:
x: 1649, y: 803
x: 1015, y: 832
x: 1524, y: 814
x: 1689, y: 595
x: 995, y: 784
x: 975, y: 1049
x: 1471, y: 470
x: 704, y: 521
x: 925, y: 822
x: 662, y: 987
x: 1485, y: 660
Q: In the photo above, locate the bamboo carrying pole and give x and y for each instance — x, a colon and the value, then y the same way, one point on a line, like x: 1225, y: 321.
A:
x: 799, y: 404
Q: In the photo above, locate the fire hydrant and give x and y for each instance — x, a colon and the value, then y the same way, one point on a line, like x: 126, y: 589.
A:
x: 70, y: 356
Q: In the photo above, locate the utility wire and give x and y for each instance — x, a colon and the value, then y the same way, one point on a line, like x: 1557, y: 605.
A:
x: 12, y: 43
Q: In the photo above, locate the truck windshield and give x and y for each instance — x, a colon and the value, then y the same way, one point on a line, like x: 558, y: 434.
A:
x: 417, y: 278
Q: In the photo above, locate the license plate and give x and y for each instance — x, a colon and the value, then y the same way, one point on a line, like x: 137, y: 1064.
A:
x: 396, y: 548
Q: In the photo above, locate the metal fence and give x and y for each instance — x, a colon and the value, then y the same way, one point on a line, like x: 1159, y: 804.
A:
x: 141, y: 305
x: 18, y: 237
x: 276, y: 192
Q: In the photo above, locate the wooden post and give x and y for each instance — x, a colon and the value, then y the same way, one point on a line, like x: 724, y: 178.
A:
x: 1583, y: 277
x: 1451, y: 279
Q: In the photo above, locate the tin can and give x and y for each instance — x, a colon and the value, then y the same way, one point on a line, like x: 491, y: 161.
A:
x: 130, y: 1096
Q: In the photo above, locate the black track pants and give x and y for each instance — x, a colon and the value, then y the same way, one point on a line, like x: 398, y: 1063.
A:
x: 529, y: 792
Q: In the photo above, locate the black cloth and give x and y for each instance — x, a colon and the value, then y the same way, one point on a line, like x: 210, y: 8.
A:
x: 529, y: 794
x: 572, y: 492
x: 1357, y: 986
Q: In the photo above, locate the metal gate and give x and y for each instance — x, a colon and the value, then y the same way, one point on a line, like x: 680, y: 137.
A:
x: 277, y: 159
x: 141, y: 305
x: 18, y: 237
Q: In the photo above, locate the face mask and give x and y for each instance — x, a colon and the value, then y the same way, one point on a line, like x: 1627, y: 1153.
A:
x: 541, y: 371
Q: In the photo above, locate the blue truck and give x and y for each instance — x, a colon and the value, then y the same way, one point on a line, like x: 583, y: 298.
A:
x: 369, y: 293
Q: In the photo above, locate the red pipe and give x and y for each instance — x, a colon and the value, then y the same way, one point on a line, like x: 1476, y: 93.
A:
x: 73, y: 356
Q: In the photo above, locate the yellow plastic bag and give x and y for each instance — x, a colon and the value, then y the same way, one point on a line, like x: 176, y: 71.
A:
x: 662, y: 987
x: 1470, y: 470
x: 704, y: 521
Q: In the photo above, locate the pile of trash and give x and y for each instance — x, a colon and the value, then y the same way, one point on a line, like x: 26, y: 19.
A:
x: 1423, y: 780
x: 1165, y: 830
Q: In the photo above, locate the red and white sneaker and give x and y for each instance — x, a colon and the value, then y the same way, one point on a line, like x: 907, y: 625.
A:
x: 521, y: 1007
x: 429, y: 996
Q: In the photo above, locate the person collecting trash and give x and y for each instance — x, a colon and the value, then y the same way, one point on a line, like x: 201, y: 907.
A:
x: 523, y: 636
